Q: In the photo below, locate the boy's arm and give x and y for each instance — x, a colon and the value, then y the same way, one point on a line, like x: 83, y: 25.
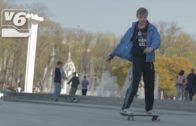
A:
x: 63, y: 74
x: 115, y: 50
x: 155, y: 39
x: 69, y: 81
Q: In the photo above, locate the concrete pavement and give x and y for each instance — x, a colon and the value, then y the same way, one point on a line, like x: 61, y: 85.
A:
x: 108, y: 101
x: 76, y: 114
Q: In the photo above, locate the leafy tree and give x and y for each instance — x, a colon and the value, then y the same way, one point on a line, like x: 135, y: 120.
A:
x: 168, y: 69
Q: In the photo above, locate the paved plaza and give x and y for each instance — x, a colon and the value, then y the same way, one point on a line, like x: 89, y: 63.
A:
x: 72, y: 114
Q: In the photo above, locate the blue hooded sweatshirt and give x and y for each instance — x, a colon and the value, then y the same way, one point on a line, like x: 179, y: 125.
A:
x: 124, y: 48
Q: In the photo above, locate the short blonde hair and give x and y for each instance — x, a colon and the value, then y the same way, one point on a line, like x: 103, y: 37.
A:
x: 142, y: 11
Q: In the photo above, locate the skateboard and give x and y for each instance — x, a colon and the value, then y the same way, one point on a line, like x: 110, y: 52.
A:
x: 155, y: 117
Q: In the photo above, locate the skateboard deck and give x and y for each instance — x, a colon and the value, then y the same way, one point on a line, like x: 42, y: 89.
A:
x: 155, y: 117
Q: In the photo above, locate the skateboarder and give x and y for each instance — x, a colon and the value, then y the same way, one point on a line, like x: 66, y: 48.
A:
x: 138, y: 45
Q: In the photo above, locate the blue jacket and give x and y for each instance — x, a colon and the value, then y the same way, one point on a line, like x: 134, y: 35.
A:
x: 124, y: 48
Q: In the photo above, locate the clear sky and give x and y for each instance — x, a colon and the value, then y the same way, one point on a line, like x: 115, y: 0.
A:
x: 115, y: 16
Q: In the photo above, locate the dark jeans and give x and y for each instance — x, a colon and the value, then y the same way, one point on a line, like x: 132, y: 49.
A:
x: 84, y: 91
x: 140, y: 67
x: 57, y: 91
x: 192, y: 92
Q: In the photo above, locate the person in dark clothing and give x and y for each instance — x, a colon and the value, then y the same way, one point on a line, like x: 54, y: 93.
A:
x: 138, y: 46
x: 74, y: 84
x: 59, y: 76
x: 191, y: 84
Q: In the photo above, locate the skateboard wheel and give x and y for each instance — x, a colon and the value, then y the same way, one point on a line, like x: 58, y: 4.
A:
x: 158, y: 120
x: 155, y: 119
x: 130, y: 118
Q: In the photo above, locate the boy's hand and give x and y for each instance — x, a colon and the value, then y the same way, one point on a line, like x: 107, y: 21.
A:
x: 109, y: 59
x: 148, y: 50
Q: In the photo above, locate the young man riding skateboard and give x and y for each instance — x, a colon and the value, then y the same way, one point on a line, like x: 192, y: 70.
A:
x: 138, y: 45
